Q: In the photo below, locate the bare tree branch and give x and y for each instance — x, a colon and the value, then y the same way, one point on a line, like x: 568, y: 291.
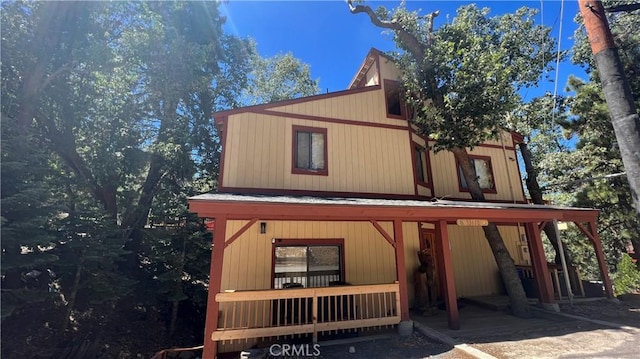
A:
x: 412, y: 43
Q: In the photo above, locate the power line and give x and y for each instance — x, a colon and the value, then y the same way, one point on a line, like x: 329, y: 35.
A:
x: 555, y: 85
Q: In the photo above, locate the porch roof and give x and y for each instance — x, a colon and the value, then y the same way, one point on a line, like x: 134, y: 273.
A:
x: 244, y: 206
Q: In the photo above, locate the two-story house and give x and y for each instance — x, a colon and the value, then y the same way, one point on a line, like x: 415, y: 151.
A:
x: 323, y: 191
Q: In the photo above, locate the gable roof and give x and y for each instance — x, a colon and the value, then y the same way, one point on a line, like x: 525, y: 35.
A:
x: 265, y: 106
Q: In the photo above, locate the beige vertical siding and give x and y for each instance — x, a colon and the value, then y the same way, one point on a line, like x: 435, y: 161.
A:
x: 369, y: 258
x: 388, y: 70
x: 419, y: 140
x: 366, y: 107
x: 424, y: 191
x: 361, y: 159
x: 474, y: 266
x: 372, y: 77
x: 505, y: 173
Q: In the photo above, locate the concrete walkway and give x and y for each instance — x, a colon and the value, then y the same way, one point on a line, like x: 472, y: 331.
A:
x: 486, y: 334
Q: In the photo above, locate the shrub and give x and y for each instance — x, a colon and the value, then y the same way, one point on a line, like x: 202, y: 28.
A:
x: 627, y: 278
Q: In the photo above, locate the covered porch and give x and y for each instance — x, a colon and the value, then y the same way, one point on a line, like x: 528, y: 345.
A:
x: 278, y: 312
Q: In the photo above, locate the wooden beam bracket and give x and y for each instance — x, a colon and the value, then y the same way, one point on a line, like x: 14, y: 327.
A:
x: 383, y: 233
x: 541, y: 226
x: 240, y: 232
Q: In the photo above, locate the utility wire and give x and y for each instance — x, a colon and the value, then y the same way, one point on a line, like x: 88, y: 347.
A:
x: 555, y: 85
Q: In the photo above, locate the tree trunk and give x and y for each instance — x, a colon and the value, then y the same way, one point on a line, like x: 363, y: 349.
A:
x: 624, y: 116
x: 53, y: 16
x: 517, y: 297
x: 506, y: 265
x: 176, y: 303
x: 72, y: 297
x: 536, y: 197
x: 136, y: 218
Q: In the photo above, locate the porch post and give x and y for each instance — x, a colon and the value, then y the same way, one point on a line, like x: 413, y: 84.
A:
x: 215, y: 282
x: 540, y: 269
x: 597, y: 245
x: 444, y: 252
x: 401, y: 269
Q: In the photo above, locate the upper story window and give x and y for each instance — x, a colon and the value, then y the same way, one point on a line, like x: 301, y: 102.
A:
x: 484, y: 171
x: 393, y: 99
x: 422, y: 169
x: 309, y: 150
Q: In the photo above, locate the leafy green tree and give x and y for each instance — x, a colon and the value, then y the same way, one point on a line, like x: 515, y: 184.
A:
x: 279, y: 78
x: 538, y: 121
x: 627, y: 278
x: 597, y: 156
x: 620, y: 101
x: 27, y: 207
x: 462, y: 79
x: 106, y: 127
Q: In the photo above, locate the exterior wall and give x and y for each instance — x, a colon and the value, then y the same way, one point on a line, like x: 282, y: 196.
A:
x: 368, y: 153
x: 361, y: 159
x: 475, y: 270
x: 388, y: 70
x: 365, y: 106
x: 371, y: 77
x: 368, y: 258
x: 505, y: 172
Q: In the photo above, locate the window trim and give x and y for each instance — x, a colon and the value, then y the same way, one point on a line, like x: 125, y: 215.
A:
x: 306, y: 242
x: 388, y: 85
x: 294, y: 146
x: 484, y: 190
x: 426, y: 173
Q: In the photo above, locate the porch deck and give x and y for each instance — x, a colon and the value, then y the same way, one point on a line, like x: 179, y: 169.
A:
x: 249, y: 317
x: 482, y: 317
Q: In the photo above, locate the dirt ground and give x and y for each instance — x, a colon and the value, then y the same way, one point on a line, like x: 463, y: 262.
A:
x: 570, y: 338
x: 626, y: 312
x: 559, y: 338
x: 415, y: 346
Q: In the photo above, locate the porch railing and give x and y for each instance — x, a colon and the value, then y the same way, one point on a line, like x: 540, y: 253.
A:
x: 556, y: 272
x: 286, y: 313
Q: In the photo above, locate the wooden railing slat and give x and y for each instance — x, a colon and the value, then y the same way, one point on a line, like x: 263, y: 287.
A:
x: 295, y: 312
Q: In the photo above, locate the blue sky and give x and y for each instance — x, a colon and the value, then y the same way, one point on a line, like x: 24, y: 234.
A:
x: 334, y: 42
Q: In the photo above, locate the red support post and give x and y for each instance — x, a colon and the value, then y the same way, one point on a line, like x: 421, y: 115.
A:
x: 401, y: 271
x: 602, y: 264
x: 215, y: 282
x: 539, y: 263
x: 444, y: 252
